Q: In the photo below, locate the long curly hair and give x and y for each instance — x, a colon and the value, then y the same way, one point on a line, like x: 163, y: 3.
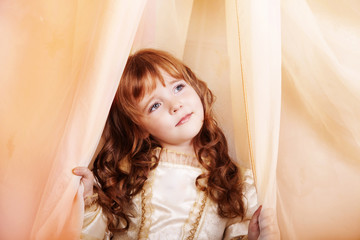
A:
x: 125, y: 160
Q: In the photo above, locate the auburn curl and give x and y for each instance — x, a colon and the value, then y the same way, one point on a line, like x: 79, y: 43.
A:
x: 125, y: 160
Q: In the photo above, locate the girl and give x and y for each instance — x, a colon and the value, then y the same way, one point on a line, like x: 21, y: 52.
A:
x: 164, y: 171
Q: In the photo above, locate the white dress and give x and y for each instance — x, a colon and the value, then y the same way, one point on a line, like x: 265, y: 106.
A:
x: 171, y: 207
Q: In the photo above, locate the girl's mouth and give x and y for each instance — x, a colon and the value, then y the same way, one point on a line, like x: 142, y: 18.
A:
x: 184, y: 119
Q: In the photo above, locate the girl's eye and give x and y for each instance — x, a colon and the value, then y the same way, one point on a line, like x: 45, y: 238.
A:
x: 154, y: 107
x: 179, y: 87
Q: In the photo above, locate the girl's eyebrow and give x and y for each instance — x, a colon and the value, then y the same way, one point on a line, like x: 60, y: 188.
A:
x: 148, y: 102
x: 175, y: 80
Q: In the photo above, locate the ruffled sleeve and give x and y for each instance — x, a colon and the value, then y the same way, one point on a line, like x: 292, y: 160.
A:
x: 237, y: 227
x: 95, y: 224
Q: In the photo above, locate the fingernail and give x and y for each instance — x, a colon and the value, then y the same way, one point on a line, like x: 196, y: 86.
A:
x: 74, y: 170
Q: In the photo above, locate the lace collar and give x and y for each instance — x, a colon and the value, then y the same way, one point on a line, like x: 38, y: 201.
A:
x: 170, y: 156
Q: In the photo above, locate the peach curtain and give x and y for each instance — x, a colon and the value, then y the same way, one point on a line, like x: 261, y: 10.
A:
x: 285, y: 74
x: 318, y: 168
x: 61, y: 63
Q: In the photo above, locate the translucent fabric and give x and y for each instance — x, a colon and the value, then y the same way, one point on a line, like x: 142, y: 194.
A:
x: 61, y: 64
x: 318, y: 168
x: 286, y: 77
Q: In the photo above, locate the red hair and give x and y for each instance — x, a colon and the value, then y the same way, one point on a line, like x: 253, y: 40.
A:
x: 124, y: 163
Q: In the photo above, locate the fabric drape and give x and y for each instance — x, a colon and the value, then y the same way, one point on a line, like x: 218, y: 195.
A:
x: 318, y: 168
x: 61, y: 64
x: 285, y: 74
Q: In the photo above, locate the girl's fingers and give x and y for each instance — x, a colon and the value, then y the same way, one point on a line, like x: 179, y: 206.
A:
x: 87, y: 178
x: 268, y: 226
x: 255, y: 217
x: 83, y: 172
x: 253, y: 229
x: 267, y: 217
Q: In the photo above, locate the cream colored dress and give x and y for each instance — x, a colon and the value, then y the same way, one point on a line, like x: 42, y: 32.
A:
x: 171, y: 207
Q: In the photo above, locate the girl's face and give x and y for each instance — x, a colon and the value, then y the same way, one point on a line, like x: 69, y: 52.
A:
x: 172, y: 114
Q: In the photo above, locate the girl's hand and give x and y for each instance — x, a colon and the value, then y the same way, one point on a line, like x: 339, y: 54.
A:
x: 87, y: 178
x: 254, y: 228
x: 263, y: 225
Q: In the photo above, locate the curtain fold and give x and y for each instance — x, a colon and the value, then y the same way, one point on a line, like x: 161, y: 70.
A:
x: 318, y: 166
x: 164, y: 25
x: 257, y: 51
x: 62, y: 62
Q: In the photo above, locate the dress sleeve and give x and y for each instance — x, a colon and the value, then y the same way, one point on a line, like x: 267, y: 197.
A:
x: 95, y: 224
x: 237, y: 227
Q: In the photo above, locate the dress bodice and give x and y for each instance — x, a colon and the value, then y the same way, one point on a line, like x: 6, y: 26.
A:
x: 171, y: 207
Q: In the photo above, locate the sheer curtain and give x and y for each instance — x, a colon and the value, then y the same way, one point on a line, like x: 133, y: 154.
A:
x: 318, y: 168
x: 285, y: 74
x: 61, y: 63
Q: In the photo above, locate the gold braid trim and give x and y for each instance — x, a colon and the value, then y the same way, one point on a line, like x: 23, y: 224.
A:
x: 143, y: 212
x: 245, y: 237
x: 145, y: 221
x: 146, y: 195
x: 195, y: 225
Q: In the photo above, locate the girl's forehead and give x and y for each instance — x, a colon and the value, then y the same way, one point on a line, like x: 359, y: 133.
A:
x: 147, y: 84
x: 166, y: 79
x: 154, y: 81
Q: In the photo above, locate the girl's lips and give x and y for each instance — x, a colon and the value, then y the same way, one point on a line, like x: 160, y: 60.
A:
x: 184, y: 119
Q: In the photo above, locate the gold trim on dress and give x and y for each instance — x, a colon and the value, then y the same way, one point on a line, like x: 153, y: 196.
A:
x: 195, y: 225
x: 146, y: 196
x: 191, y: 225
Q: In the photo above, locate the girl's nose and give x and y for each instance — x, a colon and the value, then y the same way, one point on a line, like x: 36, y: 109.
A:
x: 175, y: 106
